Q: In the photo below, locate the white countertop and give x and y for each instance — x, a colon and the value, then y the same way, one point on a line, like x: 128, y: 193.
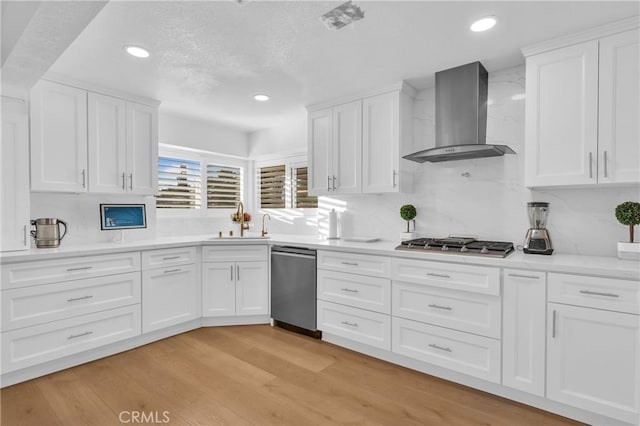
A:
x: 588, y: 265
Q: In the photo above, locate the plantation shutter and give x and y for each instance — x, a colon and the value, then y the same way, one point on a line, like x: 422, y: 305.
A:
x: 272, y: 187
x: 301, y: 197
x: 224, y: 186
x: 178, y: 183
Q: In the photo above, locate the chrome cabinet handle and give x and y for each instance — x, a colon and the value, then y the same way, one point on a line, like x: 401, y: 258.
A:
x: 328, y: 183
x: 394, y: 178
x: 441, y: 348
x: 553, y: 325
x: 231, y: 268
x: 75, y: 336
x: 591, y: 165
x: 351, y: 324
x: 334, y: 182
x: 84, y: 178
x: 83, y: 268
x: 24, y: 235
x: 349, y: 290
x: 533, y: 277
x: 431, y: 274
x: 238, y: 272
x: 597, y: 293
x: 350, y: 263
x: 171, y: 257
x: 131, y: 181
x: 73, y: 299
x: 172, y: 270
x: 605, y: 164
x: 123, y: 182
x: 446, y: 308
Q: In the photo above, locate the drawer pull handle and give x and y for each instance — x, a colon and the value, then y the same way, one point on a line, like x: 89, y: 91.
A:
x: 171, y: 258
x: 441, y: 348
x: 446, y: 308
x: 350, y: 263
x: 352, y: 324
x: 431, y: 274
x: 172, y: 270
x: 553, y: 325
x: 597, y: 293
x: 83, y: 268
x: 75, y: 336
x: 73, y: 299
x: 349, y: 290
x: 533, y: 277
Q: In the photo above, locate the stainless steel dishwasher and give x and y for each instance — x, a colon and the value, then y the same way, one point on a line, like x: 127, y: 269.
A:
x: 293, y: 286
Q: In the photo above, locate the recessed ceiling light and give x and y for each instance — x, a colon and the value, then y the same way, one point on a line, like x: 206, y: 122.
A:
x: 137, y: 51
x: 483, y: 24
x: 261, y: 98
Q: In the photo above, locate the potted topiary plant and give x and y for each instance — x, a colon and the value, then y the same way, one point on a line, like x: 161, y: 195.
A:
x: 408, y: 212
x: 628, y: 213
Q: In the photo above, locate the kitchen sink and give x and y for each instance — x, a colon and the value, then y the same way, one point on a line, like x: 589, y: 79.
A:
x: 249, y: 237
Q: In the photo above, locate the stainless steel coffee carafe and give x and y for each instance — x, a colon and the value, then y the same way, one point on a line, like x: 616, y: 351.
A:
x: 47, y: 232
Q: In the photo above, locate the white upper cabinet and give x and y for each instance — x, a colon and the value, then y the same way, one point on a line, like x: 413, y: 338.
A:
x: 355, y: 146
x: 335, y: 146
x: 582, y: 110
x: 88, y: 141
x: 58, y: 138
x: 14, y: 176
x: 619, y: 126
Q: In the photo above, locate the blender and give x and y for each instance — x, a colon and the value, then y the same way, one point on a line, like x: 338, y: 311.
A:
x: 537, y: 240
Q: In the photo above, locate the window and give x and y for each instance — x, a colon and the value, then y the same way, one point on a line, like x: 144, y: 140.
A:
x: 224, y: 186
x: 300, y: 195
x: 178, y: 183
x: 272, y: 187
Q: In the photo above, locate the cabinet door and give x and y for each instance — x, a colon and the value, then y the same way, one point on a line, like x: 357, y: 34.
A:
x: 346, y: 177
x: 319, y: 127
x: 593, y: 360
x: 107, y: 144
x: 169, y: 296
x: 523, y: 331
x: 252, y: 288
x: 562, y: 116
x: 142, y: 149
x: 58, y: 138
x: 14, y: 178
x: 619, y: 127
x: 380, y: 143
x: 218, y: 289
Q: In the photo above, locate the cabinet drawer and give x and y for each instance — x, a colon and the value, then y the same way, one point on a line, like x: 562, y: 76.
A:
x: 29, y: 346
x: 168, y: 257
x: 355, y: 290
x: 469, y: 312
x: 229, y: 253
x: 477, y: 279
x: 73, y: 268
x: 466, y: 353
x: 355, y: 263
x: 593, y: 292
x: 358, y: 325
x: 27, y: 306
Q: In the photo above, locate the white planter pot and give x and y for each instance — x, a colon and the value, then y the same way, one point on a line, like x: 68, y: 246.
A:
x: 408, y: 236
x: 629, y: 251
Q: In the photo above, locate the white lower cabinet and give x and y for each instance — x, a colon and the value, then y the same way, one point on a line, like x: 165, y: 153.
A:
x: 523, y: 332
x: 359, y: 325
x: 170, y: 296
x: 593, y: 360
x: 463, y: 352
x: 235, y: 289
x: 29, y: 346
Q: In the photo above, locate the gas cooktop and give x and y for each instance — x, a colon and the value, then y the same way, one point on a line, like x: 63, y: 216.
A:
x: 458, y: 245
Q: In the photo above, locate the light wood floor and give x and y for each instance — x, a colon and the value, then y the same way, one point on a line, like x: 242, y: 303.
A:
x: 254, y: 375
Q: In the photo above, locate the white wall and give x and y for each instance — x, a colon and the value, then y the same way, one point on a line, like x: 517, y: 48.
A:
x: 491, y: 202
x: 288, y: 135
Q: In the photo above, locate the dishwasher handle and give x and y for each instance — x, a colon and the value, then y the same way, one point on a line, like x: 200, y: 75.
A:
x: 282, y: 253
x: 299, y: 251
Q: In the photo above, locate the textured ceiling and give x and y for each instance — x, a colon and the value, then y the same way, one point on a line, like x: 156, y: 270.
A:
x: 210, y: 57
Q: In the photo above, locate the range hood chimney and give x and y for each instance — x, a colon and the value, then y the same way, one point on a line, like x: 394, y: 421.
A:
x: 461, y: 117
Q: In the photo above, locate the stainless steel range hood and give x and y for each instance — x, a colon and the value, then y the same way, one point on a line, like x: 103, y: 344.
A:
x: 461, y: 117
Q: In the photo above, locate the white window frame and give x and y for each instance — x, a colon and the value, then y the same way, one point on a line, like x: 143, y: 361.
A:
x: 205, y: 157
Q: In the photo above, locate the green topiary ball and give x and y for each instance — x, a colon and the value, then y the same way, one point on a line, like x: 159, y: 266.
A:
x: 408, y: 212
x: 628, y: 213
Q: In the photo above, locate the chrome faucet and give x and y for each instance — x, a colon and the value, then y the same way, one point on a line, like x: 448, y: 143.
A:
x: 264, y: 229
x: 240, y: 217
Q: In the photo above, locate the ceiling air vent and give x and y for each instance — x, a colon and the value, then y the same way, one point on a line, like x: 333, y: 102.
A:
x: 342, y: 16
